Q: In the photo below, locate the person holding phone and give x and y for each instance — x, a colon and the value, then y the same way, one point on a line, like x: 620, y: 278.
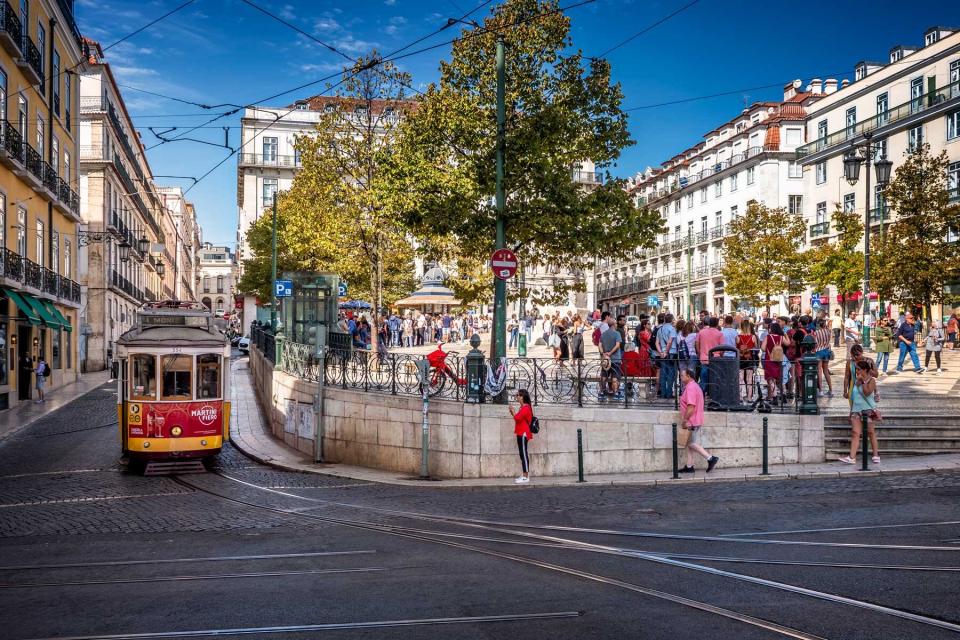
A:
x: 522, y: 417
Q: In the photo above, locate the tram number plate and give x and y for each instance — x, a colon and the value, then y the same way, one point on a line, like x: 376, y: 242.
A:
x: 134, y: 415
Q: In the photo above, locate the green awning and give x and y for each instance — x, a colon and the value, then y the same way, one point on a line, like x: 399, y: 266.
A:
x: 47, y: 317
x: 56, y: 314
x: 24, y: 306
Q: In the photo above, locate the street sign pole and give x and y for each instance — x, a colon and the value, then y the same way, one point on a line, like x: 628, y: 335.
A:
x: 273, y: 269
x: 499, y: 346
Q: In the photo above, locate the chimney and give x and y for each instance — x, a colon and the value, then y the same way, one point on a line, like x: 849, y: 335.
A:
x: 816, y: 85
x: 830, y: 86
x: 788, y: 91
x: 844, y: 84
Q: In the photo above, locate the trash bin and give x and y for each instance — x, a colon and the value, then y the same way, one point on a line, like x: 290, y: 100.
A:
x: 723, y: 379
x: 522, y: 345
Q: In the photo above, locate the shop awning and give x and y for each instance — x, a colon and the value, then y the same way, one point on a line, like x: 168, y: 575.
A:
x: 24, y: 306
x: 48, y: 318
x: 59, y: 316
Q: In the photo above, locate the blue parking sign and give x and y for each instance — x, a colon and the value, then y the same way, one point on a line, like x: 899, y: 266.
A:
x: 283, y: 288
x: 342, y: 289
x: 653, y: 301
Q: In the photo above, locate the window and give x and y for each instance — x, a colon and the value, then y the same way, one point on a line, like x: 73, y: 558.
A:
x: 297, y: 158
x: 880, y: 150
x: 3, y: 94
x: 208, y: 376
x: 703, y: 194
x: 953, y: 180
x: 718, y: 218
x: 689, y: 201
x: 40, y: 132
x: 734, y: 212
x: 67, y: 265
x: 795, y: 205
x: 143, y: 377
x: 39, y: 247
x: 794, y: 170
x: 270, y: 146
x: 916, y: 94
x: 930, y: 38
x: 733, y: 182
x: 22, y: 231
x: 849, y: 202
x: 55, y: 251
x: 822, y: 130
x: 55, y: 81
x: 953, y: 125
x: 67, y: 98
x: 22, y: 115
x: 851, y: 121
x: 676, y: 205
x: 954, y: 79
x: 821, y: 212
x: 883, y: 107
x: 219, y: 284
x: 176, y: 372
x: 821, y: 172
x: 269, y: 191
x: 859, y: 73
x: 41, y: 45
x: 703, y: 224
x: 794, y: 137
x: 55, y: 144
x: 915, y: 138
x: 66, y: 166
x: 56, y: 363
x: 751, y: 174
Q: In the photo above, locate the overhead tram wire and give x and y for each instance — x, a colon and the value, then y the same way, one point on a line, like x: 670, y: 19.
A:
x: 373, y: 63
x: 649, y: 27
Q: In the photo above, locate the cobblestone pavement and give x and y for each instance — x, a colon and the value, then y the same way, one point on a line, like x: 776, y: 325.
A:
x: 245, y: 547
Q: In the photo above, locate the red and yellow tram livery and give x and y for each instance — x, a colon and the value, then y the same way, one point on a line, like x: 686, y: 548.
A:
x: 173, y: 384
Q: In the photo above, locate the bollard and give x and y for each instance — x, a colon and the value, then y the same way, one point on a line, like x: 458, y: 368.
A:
x: 766, y: 443
x: 579, y: 455
x: 676, y: 457
x: 863, y: 427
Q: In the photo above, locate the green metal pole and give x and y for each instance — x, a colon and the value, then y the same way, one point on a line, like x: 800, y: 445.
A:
x: 273, y: 270
x: 689, y: 273
x: 866, y: 250
x: 579, y: 455
x: 500, y: 286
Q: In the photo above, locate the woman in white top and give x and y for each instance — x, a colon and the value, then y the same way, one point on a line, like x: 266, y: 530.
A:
x: 407, y: 328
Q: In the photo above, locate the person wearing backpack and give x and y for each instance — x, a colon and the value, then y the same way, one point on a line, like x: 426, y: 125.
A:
x: 774, y: 346
x: 524, y: 425
x: 43, y: 372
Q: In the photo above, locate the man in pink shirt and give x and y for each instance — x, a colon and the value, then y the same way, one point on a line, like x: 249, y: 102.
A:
x: 707, y: 338
x: 691, y: 418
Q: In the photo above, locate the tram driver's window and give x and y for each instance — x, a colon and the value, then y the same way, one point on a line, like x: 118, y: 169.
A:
x: 176, y: 374
x: 208, y: 375
x: 143, y: 377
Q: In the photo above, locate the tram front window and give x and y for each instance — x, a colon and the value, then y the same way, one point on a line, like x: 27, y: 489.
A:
x: 208, y: 375
x: 177, y: 372
x: 143, y: 377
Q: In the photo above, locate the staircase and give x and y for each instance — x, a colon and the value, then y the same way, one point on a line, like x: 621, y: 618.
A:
x: 899, y: 435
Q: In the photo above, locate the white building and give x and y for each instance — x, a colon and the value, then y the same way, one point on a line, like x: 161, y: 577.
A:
x: 698, y: 192
x: 912, y: 97
x: 217, y: 272
x: 182, y: 245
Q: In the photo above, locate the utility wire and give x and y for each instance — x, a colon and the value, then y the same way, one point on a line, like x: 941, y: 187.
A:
x: 648, y: 28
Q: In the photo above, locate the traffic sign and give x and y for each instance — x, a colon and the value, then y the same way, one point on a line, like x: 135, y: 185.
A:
x: 284, y: 288
x: 504, y: 264
x: 342, y: 289
x: 653, y: 301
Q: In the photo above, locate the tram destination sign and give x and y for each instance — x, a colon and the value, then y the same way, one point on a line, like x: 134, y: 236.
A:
x: 172, y: 320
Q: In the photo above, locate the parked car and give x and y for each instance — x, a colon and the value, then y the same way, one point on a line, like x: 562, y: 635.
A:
x: 244, y: 344
x: 633, y: 322
x: 235, y: 340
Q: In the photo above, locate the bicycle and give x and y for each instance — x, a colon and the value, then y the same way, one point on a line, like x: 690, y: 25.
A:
x: 440, y: 371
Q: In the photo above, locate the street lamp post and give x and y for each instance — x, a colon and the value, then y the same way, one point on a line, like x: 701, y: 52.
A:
x: 500, y: 285
x: 851, y: 171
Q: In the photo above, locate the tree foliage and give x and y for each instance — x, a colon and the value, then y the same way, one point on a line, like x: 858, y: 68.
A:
x: 838, y: 263
x: 762, y: 254
x: 338, y: 214
x: 913, y: 258
x: 561, y: 110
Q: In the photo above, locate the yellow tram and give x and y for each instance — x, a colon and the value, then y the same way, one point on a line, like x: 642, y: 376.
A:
x: 174, y: 383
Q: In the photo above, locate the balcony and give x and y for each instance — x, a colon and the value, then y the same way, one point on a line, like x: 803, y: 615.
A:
x: 268, y: 160
x: 939, y: 100
x: 11, y: 145
x: 33, y: 172
x: 30, y: 62
x: 92, y: 104
x: 879, y: 214
x: 32, y: 274
x: 63, y: 287
x: 587, y: 177
x: 11, y: 34
x: 11, y: 265
x: 93, y: 153
x: 954, y: 194
x: 819, y: 229
x: 50, y: 282
x: 50, y: 178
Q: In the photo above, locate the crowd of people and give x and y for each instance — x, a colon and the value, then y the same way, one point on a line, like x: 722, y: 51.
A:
x: 412, y: 329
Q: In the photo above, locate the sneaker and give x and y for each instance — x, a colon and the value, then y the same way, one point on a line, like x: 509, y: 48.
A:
x: 876, y: 459
x: 524, y: 479
x: 686, y: 470
x: 520, y: 480
x: 939, y: 370
x: 711, y: 463
x: 920, y: 370
x: 847, y: 460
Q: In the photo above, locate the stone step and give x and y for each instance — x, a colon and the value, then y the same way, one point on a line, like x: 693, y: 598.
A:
x: 900, y: 442
x: 899, y: 432
x: 833, y: 454
x: 895, y: 420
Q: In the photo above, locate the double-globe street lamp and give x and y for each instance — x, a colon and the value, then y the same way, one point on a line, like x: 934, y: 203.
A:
x: 851, y: 171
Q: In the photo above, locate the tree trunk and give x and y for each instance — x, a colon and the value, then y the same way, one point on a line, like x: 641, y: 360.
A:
x: 374, y: 312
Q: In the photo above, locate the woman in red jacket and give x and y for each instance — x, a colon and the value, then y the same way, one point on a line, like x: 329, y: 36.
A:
x: 522, y: 416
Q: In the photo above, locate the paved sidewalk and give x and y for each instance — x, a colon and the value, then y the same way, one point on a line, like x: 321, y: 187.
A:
x: 26, y: 413
x: 251, y: 436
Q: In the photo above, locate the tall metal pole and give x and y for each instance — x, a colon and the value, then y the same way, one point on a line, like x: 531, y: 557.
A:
x: 500, y: 285
x: 273, y: 270
x: 866, y: 251
x: 689, y: 273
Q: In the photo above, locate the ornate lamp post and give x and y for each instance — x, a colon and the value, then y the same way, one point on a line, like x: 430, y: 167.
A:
x: 851, y: 171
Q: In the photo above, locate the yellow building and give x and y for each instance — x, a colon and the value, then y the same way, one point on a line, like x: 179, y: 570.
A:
x: 40, y: 51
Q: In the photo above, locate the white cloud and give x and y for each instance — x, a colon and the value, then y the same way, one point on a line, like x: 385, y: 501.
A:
x: 321, y: 67
x: 389, y: 3
x: 353, y: 45
x: 398, y: 20
x: 287, y: 12
x: 326, y: 25
x: 390, y: 29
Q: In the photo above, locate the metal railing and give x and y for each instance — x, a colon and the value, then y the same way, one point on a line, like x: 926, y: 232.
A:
x: 92, y: 103
x: 50, y: 284
x: 33, y: 161
x: 819, y: 229
x: 32, y: 57
x: 925, y: 102
x: 10, y: 23
x: 587, y: 177
x: 32, y: 274
x: 269, y: 160
x: 12, y: 141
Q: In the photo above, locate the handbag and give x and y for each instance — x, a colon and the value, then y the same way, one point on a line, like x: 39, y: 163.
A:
x: 683, y: 437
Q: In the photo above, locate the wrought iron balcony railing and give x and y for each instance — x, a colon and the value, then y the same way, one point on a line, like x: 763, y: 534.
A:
x: 819, y: 229
x: 32, y: 274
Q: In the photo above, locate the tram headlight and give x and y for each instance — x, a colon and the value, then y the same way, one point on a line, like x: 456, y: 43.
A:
x: 176, y: 431
x: 146, y: 445
x: 203, y: 443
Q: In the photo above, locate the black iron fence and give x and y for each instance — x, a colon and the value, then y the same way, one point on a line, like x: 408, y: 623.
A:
x: 265, y: 342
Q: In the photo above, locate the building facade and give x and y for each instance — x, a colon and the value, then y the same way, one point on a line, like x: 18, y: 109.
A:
x: 911, y: 98
x: 698, y: 192
x: 183, y: 245
x: 40, y: 47
x: 218, y: 275
x: 122, y: 216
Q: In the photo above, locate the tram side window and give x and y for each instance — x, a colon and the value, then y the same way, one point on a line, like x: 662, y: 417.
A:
x: 143, y: 377
x: 177, y: 372
x: 208, y: 375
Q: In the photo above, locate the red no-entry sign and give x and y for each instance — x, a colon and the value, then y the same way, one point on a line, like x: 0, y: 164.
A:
x: 504, y: 263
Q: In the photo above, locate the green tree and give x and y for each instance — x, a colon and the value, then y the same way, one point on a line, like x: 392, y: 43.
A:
x: 338, y: 215
x: 913, y: 258
x: 561, y: 110
x: 762, y: 254
x: 838, y: 263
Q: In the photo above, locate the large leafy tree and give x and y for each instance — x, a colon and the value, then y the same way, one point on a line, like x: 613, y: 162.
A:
x: 913, y: 258
x: 561, y: 109
x: 338, y: 214
x: 838, y: 263
x: 762, y: 254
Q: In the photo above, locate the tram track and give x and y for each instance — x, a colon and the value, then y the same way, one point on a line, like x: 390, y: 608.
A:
x: 537, y: 539
x: 127, y: 563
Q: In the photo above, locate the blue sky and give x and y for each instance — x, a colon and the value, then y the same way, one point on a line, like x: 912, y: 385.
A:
x: 223, y: 51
